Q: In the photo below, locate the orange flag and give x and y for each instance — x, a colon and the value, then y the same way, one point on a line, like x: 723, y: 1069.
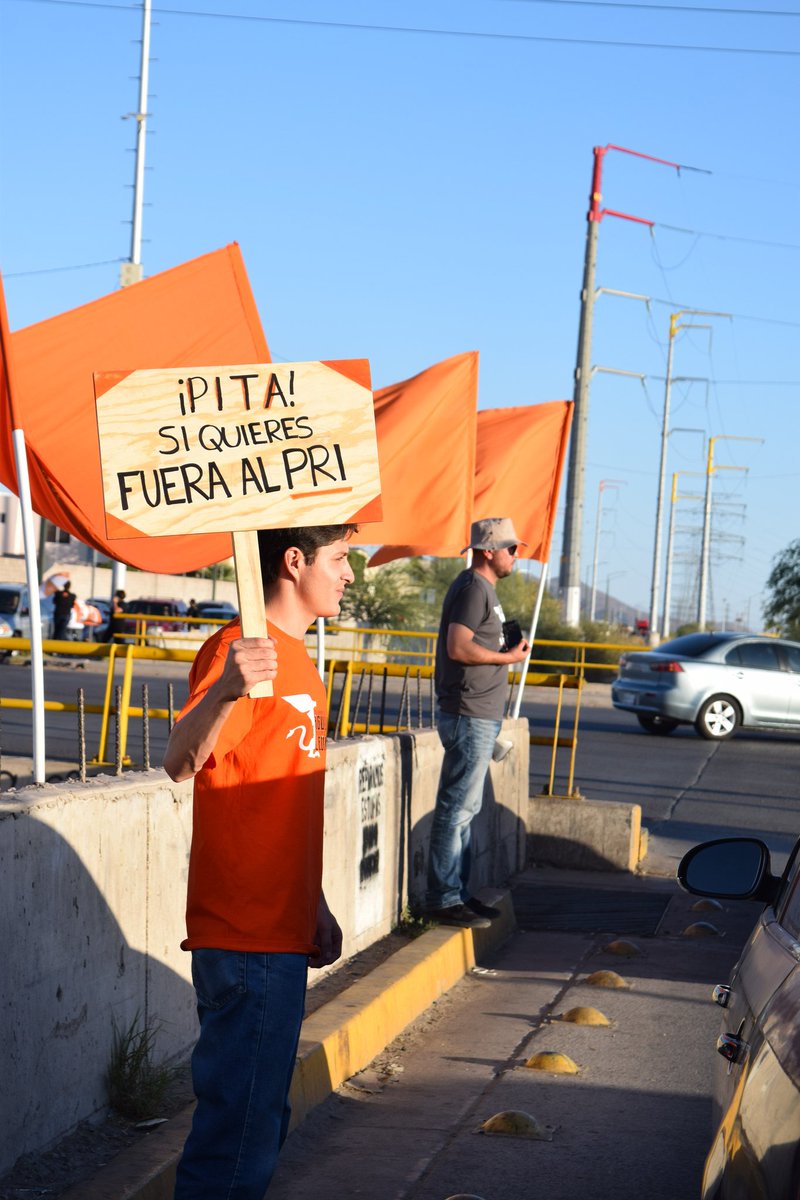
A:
x: 200, y: 313
x: 519, y: 462
x: 426, y: 447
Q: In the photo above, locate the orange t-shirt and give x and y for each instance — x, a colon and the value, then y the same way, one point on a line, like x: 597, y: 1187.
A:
x: 255, y: 869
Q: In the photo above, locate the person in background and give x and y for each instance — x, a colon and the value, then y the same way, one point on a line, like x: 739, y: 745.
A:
x: 116, y: 622
x: 471, y: 676
x: 192, y: 610
x: 62, y: 612
x: 256, y: 916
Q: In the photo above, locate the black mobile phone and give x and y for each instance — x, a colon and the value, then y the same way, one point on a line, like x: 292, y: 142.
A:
x: 512, y: 634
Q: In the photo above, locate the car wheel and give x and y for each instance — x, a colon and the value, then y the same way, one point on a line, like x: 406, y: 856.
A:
x: 718, y: 718
x: 655, y: 724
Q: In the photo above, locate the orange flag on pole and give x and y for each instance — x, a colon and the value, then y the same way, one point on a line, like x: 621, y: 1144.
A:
x: 426, y: 446
x: 201, y: 312
x: 519, y: 463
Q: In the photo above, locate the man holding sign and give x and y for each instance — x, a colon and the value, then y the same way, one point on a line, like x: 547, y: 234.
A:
x: 256, y: 915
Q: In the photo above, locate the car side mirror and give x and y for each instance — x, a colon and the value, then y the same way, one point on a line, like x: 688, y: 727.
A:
x: 729, y: 869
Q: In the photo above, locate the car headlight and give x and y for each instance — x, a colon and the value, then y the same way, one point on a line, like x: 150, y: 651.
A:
x: 5, y: 629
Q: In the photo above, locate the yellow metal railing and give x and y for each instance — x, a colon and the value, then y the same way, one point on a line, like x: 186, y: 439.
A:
x: 122, y: 711
x: 351, y: 660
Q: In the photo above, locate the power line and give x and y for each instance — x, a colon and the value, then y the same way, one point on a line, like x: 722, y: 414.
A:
x: 415, y: 29
x: 736, y: 316
x: 681, y: 8
x: 106, y: 262
x: 728, y: 237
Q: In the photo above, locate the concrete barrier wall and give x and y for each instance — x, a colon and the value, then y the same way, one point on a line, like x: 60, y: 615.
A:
x: 92, y: 892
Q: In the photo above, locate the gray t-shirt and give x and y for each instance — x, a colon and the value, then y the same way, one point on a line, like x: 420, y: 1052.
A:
x: 477, y: 690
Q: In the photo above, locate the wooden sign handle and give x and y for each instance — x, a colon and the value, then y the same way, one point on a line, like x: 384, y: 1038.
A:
x: 250, y: 590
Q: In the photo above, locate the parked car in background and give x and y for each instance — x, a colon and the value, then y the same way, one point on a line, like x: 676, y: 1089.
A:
x: 216, y: 610
x: 152, y: 608
x: 714, y: 681
x: 755, y: 1154
x: 14, y: 613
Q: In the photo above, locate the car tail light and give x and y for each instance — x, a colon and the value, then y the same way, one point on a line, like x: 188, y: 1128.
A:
x: 672, y: 666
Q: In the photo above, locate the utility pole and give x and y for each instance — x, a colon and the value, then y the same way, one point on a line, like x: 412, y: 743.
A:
x: 131, y: 271
x: 704, y: 549
x: 604, y: 483
x: 570, y: 572
x: 674, y: 326
x: 570, y: 580
x: 674, y: 497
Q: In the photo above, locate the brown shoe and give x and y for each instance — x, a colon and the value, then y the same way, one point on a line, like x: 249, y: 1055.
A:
x: 458, y: 914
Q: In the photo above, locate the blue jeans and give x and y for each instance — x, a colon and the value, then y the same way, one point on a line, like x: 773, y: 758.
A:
x: 250, y: 1007
x: 468, y: 743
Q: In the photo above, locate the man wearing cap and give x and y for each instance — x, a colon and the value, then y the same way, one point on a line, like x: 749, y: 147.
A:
x: 471, y: 673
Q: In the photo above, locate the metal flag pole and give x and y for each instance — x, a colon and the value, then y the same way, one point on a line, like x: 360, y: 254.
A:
x: 29, y: 542
x: 531, y: 635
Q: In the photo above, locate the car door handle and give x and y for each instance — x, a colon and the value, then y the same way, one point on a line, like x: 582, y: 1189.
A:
x: 721, y: 994
x: 731, y: 1047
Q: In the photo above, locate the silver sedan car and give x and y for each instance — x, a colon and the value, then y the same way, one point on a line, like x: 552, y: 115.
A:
x: 714, y: 681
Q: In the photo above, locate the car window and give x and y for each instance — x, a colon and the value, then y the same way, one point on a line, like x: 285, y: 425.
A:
x: 9, y: 601
x: 790, y: 917
x: 792, y: 655
x: 760, y: 655
x: 691, y: 645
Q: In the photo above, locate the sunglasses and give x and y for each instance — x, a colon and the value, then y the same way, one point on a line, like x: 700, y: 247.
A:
x: 512, y: 550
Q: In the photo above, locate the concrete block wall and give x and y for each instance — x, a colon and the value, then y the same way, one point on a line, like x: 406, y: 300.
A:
x: 92, y: 893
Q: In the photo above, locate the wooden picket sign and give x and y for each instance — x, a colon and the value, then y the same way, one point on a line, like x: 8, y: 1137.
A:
x: 188, y: 450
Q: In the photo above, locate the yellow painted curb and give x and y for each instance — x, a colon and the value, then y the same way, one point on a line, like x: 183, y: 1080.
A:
x: 336, y: 1041
x: 343, y: 1036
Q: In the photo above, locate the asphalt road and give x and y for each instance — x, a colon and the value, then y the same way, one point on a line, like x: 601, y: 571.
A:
x: 689, y: 789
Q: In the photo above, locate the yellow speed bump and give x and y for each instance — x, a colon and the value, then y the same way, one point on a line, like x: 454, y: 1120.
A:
x: 606, y: 979
x: 584, y: 1016
x: 515, y: 1123
x: 707, y: 904
x: 701, y: 929
x: 557, y: 1064
x: 623, y: 948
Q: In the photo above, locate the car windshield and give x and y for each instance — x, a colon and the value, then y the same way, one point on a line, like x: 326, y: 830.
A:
x: 692, y: 645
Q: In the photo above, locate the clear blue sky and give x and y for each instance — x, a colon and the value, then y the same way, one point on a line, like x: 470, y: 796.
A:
x: 405, y: 195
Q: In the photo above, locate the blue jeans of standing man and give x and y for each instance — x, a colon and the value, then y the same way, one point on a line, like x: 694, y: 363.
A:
x: 468, y: 743
x: 250, y: 1007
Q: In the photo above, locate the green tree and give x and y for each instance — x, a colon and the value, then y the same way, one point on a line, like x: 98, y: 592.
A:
x: 380, y: 598
x: 430, y: 579
x: 782, y: 610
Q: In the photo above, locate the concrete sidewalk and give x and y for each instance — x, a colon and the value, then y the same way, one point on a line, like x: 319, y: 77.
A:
x: 634, y: 1121
x: 447, y: 1025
